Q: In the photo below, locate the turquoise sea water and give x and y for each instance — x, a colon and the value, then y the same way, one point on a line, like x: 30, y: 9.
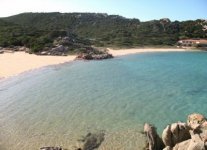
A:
x: 57, y: 105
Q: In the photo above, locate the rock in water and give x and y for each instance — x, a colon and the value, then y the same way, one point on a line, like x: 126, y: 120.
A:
x: 92, y: 141
x: 153, y: 139
x: 94, y: 56
x: 190, y: 136
x: 175, y: 133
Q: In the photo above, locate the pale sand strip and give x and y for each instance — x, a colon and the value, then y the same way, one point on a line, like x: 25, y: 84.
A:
x: 120, y: 52
x: 12, y: 64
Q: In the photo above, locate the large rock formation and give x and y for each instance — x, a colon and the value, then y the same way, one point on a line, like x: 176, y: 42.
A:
x: 63, y: 46
x: 180, y: 136
x: 175, y: 133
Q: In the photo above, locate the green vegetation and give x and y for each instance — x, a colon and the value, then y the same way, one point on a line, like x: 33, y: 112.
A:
x: 39, y: 30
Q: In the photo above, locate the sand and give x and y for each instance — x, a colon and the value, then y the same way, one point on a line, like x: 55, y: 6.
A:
x: 12, y: 64
x: 120, y: 52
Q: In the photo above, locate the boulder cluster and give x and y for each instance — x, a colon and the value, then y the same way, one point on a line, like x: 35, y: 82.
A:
x: 191, y: 135
x: 94, y: 56
x: 63, y: 46
x: 71, y: 44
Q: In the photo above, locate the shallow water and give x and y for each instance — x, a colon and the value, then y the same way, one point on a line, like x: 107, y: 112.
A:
x: 57, y: 105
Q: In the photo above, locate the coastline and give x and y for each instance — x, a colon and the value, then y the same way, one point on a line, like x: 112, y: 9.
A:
x: 13, y: 64
x: 121, y: 52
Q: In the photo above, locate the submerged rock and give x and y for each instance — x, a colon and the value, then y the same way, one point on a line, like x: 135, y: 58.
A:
x: 92, y: 141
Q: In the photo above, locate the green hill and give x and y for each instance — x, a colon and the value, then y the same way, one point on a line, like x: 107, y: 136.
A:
x: 40, y: 29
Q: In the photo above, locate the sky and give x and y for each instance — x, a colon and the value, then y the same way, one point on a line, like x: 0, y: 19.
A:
x: 142, y: 9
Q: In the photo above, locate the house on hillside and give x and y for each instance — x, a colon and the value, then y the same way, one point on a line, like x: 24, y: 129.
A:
x: 192, y: 43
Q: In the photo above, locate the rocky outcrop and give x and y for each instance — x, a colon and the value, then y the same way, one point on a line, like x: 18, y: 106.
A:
x: 195, y: 121
x: 180, y: 136
x: 59, y: 50
x: 94, y: 57
x: 62, y: 46
x: 153, y: 139
x: 64, y: 40
x: 175, y: 133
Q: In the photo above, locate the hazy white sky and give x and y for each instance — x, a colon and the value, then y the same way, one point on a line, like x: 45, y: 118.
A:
x: 141, y: 9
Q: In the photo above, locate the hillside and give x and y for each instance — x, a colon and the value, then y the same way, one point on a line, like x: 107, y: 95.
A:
x: 36, y: 30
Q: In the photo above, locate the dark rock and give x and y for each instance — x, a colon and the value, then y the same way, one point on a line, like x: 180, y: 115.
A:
x: 92, y: 141
x: 51, y: 148
x: 153, y: 139
x: 56, y: 51
x: 102, y: 56
x: 88, y: 57
x: 94, y: 56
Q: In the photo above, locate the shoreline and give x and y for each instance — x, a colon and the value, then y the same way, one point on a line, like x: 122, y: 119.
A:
x: 13, y: 64
x: 122, y: 52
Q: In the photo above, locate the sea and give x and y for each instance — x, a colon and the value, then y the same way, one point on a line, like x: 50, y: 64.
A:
x: 59, y: 105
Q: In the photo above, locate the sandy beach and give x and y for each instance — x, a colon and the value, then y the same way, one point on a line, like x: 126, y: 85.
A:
x: 120, y: 52
x: 18, y: 62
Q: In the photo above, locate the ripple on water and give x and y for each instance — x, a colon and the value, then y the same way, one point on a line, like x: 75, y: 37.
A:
x: 57, y: 105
